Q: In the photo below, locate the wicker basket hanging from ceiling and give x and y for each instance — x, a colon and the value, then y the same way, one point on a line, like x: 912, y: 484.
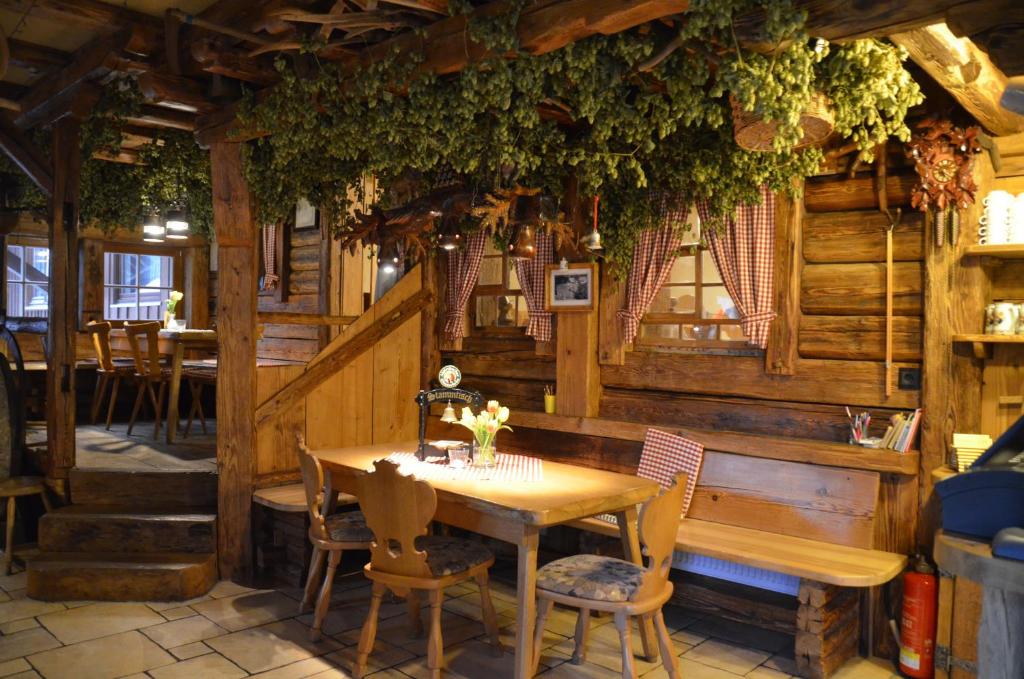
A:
x: 753, y: 133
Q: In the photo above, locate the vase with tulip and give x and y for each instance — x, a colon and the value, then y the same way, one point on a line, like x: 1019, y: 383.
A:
x: 172, y: 305
x: 485, y: 427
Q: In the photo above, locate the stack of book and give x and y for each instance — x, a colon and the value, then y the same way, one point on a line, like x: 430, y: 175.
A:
x: 968, y: 447
x: 902, y: 431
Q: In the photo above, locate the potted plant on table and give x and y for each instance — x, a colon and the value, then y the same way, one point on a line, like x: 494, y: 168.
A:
x: 485, y: 428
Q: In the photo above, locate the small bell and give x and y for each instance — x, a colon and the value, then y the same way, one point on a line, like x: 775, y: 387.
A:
x: 449, y: 414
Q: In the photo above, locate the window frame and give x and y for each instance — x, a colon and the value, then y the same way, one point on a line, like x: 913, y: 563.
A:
x: 177, y: 255
x: 694, y: 318
x: 495, y: 290
x: 23, y: 242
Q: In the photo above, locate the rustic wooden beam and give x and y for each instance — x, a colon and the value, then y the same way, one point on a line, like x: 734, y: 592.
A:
x: 175, y: 90
x: 87, y: 62
x: 24, y: 153
x: 996, y: 30
x: 37, y: 59
x: 238, y: 267
x: 288, y: 318
x: 94, y: 15
x: 965, y: 72
x: 340, y: 356
x: 781, y: 355
x: 214, y: 56
x: 162, y: 117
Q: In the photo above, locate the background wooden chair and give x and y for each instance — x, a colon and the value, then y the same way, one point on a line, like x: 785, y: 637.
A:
x: 108, y: 370
x: 197, y: 376
x: 404, y: 559
x: 603, y: 583
x: 148, y: 369
x: 331, y: 534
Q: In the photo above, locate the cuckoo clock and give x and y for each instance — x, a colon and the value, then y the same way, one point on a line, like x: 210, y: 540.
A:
x: 943, y: 156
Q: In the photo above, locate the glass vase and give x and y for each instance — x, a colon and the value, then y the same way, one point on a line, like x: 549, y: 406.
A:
x: 169, y: 320
x: 484, y: 456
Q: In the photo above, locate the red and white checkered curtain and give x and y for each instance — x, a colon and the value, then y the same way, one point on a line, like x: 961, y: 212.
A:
x: 531, y: 279
x: 463, y: 273
x: 745, y: 257
x: 270, y: 254
x: 653, y: 256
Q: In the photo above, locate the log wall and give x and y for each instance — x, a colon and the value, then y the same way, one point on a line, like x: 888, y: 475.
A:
x: 303, y: 282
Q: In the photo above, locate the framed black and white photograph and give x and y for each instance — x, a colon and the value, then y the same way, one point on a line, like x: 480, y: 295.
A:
x: 306, y: 216
x: 570, y: 288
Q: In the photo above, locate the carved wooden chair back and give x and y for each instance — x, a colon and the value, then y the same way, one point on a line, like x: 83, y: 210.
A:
x: 398, y: 509
x: 659, y: 523
x: 147, y: 358
x: 313, y: 482
x: 100, y: 332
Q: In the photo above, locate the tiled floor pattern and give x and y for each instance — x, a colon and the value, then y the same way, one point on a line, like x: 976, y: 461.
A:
x: 239, y: 632
x: 98, y: 448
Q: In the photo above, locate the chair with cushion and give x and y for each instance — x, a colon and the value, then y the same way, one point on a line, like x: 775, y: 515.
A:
x: 405, y: 559
x: 148, y: 369
x: 109, y: 370
x: 331, y: 534
x: 603, y: 583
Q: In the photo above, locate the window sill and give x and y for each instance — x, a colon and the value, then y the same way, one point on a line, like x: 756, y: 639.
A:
x: 696, y: 349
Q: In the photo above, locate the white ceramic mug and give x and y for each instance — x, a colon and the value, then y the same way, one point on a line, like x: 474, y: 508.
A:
x: 1002, y: 318
x: 997, y: 198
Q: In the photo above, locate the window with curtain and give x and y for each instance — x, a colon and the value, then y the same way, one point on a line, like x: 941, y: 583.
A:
x: 136, y: 285
x: 498, y: 305
x: 693, y: 308
x: 27, y: 276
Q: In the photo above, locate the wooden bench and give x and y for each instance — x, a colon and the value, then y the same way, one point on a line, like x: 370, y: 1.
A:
x: 838, y: 517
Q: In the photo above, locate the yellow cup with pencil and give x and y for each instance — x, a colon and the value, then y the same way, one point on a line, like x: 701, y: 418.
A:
x: 549, y: 399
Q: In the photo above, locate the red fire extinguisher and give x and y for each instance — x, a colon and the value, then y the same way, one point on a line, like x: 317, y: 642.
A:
x: 917, y: 623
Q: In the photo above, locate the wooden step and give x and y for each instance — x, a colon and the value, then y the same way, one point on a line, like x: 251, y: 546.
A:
x: 84, y: 528
x: 164, y: 489
x: 78, y: 576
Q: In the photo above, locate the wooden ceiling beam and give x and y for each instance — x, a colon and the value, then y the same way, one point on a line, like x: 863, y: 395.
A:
x: 996, y: 30
x: 157, y: 117
x: 95, y: 15
x: 160, y: 87
x: 37, y: 59
x: 965, y: 72
x: 24, y: 153
x: 214, y: 56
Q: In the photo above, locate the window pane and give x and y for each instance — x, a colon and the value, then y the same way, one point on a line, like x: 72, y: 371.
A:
x: 659, y: 331
x: 700, y: 332
x: 708, y: 270
x: 152, y: 302
x: 37, y: 264
x: 733, y: 333
x: 486, y: 311
x: 120, y: 268
x: 37, y: 301
x: 14, y: 255
x: 152, y: 271
x: 682, y: 270
x: 499, y: 311
x: 522, y: 313
x: 513, y: 277
x: 717, y: 303
x: 674, y: 299
x: 490, y: 271
x: 120, y: 304
x: 15, y: 300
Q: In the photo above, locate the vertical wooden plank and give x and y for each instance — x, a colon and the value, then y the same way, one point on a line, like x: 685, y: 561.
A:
x: 324, y: 292
x: 197, y: 287
x: 578, y: 374
x: 950, y: 376
x: 396, y: 366
x: 611, y: 344
x: 276, y: 439
x: 63, y: 302
x: 430, y: 353
x: 283, y: 244
x: 236, y: 389
x: 1003, y: 376
x: 781, y: 355
x: 90, y: 294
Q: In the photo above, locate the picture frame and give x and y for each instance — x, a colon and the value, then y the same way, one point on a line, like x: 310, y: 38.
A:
x: 571, y: 288
x: 307, y: 216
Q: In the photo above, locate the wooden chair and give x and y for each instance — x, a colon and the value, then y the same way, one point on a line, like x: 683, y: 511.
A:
x: 331, y: 534
x: 602, y: 583
x: 404, y: 559
x: 108, y: 371
x: 148, y: 369
x: 197, y: 376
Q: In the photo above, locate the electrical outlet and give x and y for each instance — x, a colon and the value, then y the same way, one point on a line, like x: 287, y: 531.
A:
x: 909, y: 378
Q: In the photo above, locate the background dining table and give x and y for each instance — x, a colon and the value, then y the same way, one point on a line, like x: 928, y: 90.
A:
x: 173, y: 343
x: 515, y: 512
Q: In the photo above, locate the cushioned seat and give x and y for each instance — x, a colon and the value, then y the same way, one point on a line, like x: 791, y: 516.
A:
x: 348, y: 527
x: 447, y: 555
x: 588, y: 576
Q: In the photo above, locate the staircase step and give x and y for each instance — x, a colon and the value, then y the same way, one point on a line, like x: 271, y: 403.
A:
x: 77, y: 576
x: 100, y: 528
x: 123, y: 488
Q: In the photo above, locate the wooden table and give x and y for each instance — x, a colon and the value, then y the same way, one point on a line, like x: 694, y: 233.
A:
x: 515, y: 513
x: 173, y: 343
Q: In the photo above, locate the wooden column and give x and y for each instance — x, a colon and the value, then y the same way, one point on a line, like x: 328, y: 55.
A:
x: 63, y: 322
x: 197, y: 286
x: 577, y: 371
x: 238, y: 269
x: 611, y: 344
x: 781, y: 355
x: 90, y: 293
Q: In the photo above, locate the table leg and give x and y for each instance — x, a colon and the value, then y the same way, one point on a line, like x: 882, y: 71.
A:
x: 526, y: 587
x: 631, y: 550
x: 172, y: 406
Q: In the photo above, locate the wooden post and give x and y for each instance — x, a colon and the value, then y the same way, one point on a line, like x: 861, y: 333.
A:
x: 611, y: 345
x: 577, y: 371
x: 197, y: 286
x: 237, y: 269
x: 90, y: 293
x: 781, y: 355
x: 63, y: 307
x: 430, y: 352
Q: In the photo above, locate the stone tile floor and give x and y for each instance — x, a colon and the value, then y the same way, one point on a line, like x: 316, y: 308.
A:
x: 237, y: 632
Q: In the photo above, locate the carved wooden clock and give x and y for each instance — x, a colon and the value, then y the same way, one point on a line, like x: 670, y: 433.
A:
x: 943, y: 156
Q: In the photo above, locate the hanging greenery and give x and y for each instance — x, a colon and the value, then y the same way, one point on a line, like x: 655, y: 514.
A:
x: 172, y: 170
x: 651, y: 111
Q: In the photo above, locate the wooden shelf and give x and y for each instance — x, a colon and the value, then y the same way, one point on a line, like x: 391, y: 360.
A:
x: 1014, y: 251
x: 982, y: 342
